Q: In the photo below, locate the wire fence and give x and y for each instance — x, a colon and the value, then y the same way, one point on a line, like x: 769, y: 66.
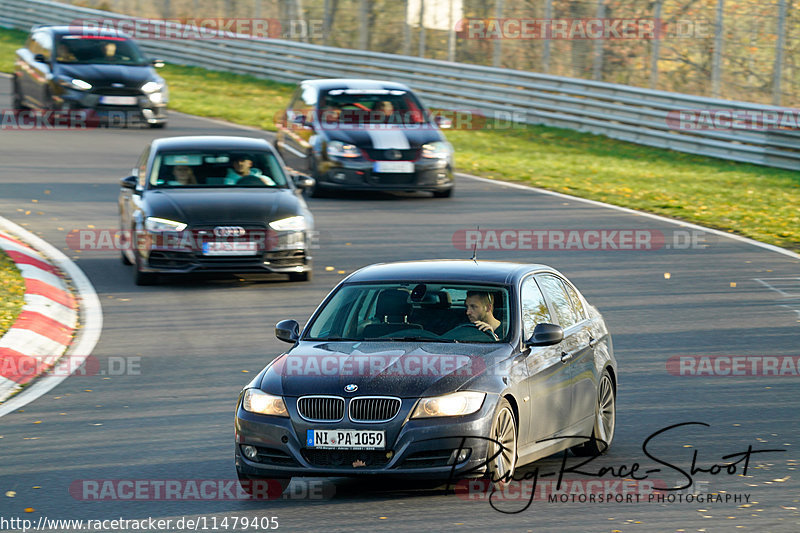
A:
x: 736, y: 50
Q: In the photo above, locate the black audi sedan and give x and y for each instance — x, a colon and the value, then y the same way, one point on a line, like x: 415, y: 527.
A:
x: 214, y: 204
x: 365, y: 135
x: 69, y: 68
x: 432, y: 369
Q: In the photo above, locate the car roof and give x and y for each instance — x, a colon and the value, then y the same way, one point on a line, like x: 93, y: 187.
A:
x: 80, y: 30
x: 353, y: 83
x: 204, y: 142
x: 455, y: 270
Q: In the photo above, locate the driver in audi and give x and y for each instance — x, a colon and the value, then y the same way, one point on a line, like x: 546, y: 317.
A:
x: 479, y: 312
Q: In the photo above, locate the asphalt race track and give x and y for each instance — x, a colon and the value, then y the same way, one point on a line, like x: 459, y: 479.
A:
x: 194, y: 343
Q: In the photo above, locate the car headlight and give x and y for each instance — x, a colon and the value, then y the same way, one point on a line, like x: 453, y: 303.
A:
x: 74, y: 83
x: 436, y: 150
x: 162, y: 224
x: 255, y: 401
x: 455, y: 404
x: 156, y: 91
x: 152, y: 86
x: 340, y: 149
x: 296, y: 223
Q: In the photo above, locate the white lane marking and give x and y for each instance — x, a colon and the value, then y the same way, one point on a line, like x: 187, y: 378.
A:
x: 44, y: 305
x: 297, y: 153
x: 681, y: 223
x: 383, y: 139
x: 779, y: 284
x: 795, y: 308
x: 86, y: 337
x: 518, y: 186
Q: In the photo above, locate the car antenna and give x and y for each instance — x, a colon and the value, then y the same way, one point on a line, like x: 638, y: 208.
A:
x: 475, y: 249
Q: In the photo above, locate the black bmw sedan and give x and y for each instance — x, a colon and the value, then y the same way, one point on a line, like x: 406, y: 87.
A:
x: 68, y: 68
x: 432, y: 369
x: 214, y: 204
x: 365, y: 135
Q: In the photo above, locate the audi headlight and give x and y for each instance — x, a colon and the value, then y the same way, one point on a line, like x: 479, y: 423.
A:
x: 436, y: 150
x: 255, y: 401
x: 162, y: 224
x: 455, y: 404
x: 296, y: 223
x: 340, y: 149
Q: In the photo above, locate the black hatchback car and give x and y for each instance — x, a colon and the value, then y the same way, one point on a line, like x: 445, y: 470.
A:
x: 214, y: 204
x: 68, y: 68
x: 365, y: 135
x: 432, y: 369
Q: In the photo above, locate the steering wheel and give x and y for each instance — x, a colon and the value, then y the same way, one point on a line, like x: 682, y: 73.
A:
x: 489, y: 332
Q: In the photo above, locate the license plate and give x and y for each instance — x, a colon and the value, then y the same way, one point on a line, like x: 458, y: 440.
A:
x: 394, y: 167
x: 118, y: 100
x: 345, y: 439
x: 230, y: 248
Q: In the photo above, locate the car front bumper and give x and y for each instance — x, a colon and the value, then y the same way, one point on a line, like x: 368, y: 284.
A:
x: 415, y: 449
x: 144, y: 110
x: 360, y: 174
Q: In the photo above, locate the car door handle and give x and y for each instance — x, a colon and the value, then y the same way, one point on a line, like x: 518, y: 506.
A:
x: 565, y: 356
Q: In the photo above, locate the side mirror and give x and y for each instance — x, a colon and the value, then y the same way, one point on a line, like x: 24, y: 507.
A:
x: 157, y: 63
x: 299, y: 120
x: 443, y: 122
x: 39, y: 58
x: 545, y: 335
x: 129, y: 183
x: 302, y: 181
x: 287, y: 331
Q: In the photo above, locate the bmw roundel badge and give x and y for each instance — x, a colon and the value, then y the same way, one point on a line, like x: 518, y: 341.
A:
x: 351, y: 388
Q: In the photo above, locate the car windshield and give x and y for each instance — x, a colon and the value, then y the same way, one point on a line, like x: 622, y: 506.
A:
x: 370, y: 106
x: 99, y: 50
x: 217, y: 168
x: 431, y: 312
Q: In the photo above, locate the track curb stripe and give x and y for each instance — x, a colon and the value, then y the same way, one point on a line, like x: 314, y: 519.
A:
x: 45, y: 325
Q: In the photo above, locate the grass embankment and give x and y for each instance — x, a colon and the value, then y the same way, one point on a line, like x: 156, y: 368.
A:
x: 758, y: 202
x: 12, y: 291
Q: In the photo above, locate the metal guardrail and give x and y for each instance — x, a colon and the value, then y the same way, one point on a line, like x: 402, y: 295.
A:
x: 617, y: 111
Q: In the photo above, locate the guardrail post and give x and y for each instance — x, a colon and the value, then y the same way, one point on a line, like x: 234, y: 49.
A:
x: 406, y: 30
x: 421, y: 28
x: 363, y: 13
x: 451, y: 33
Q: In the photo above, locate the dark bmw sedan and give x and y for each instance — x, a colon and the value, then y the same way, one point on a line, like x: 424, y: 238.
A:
x: 214, y: 204
x: 365, y: 135
x: 68, y: 68
x: 432, y: 369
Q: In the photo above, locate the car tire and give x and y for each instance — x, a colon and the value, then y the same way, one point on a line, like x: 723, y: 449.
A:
x: 17, y: 97
x: 139, y: 277
x: 125, y: 260
x: 443, y: 194
x: 158, y: 126
x: 500, y: 469
x: 605, y: 417
x: 317, y: 190
x: 300, y: 276
x: 246, y: 483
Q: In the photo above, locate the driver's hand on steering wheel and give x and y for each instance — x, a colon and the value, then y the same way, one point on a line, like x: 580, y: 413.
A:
x: 486, y: 328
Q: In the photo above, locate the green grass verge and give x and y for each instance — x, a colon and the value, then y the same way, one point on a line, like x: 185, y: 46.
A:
x: 12, y: 291
x: 758, y: 202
